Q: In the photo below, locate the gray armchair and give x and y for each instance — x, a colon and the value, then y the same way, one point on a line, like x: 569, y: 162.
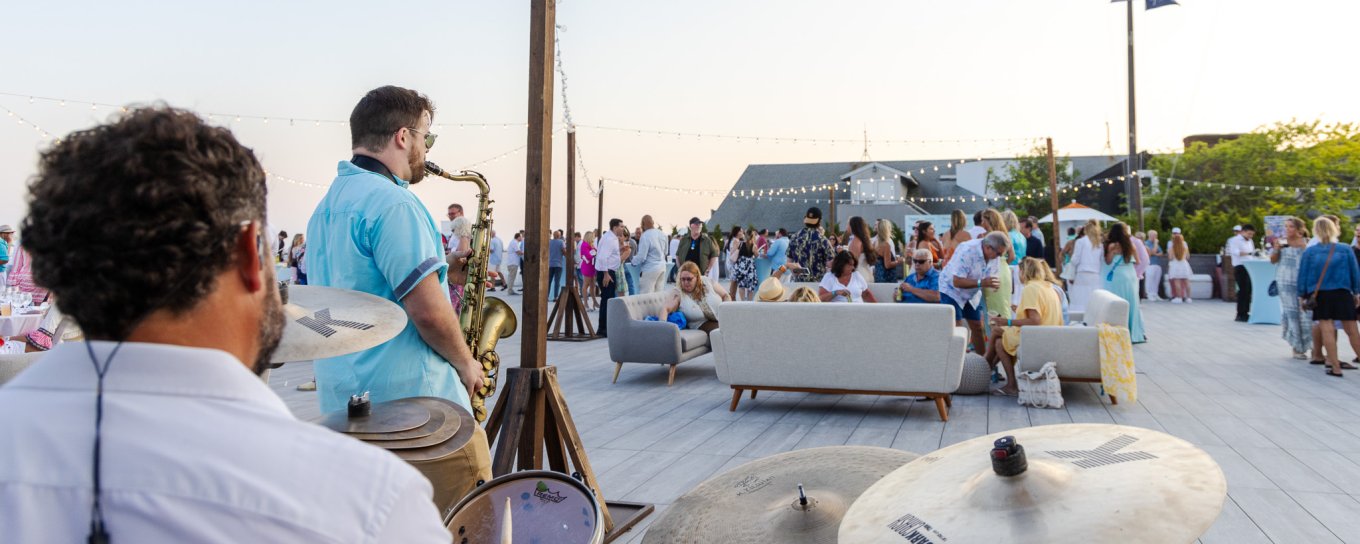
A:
x: 633, y: 340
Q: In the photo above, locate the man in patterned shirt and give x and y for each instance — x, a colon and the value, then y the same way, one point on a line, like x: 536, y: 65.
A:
x: 809, y: 249
x: 972, y: 267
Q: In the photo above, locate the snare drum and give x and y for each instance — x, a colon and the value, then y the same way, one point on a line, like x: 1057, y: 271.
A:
x: 546, y: 506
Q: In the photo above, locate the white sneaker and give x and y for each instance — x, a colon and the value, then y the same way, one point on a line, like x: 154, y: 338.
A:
x: 1187, y: 300
x: 1154, y: 298
x: 1176, y: 300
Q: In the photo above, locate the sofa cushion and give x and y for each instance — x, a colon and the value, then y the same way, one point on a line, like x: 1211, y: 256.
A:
x: 883, y: 292
x: 692, y: 339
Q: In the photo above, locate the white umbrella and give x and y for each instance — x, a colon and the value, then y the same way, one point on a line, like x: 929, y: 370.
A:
x: 1077, y: 213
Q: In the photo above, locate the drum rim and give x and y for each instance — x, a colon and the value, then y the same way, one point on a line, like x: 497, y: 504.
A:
x: 527, y: 474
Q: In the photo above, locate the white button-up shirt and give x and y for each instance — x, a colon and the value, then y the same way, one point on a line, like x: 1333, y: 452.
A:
x: 609, y: 256
x: 195, y: 449
x: 1241, y: 249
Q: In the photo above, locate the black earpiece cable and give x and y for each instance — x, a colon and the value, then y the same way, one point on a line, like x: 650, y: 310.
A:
x: 98, y: 535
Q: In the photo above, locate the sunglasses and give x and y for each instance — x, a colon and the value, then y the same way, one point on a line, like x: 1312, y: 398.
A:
x: 430, y: 137
x: 920, y: 261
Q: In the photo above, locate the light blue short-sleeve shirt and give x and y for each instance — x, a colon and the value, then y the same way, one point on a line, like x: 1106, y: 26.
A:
x: 373, y: 235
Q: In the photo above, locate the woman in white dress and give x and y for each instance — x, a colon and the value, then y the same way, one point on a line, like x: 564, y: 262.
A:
x: 1087, y: 259
x: 861, y: 247
x: 1178, y: 270
x: 843, y: 283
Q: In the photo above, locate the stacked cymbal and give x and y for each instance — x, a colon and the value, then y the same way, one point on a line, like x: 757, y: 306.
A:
x: 435, y: 435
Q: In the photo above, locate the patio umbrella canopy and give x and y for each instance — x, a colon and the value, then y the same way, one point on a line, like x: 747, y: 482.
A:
x: 1077, y: 213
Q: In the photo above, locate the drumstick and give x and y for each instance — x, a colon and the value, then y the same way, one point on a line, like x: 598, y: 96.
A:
x: 505, y: 524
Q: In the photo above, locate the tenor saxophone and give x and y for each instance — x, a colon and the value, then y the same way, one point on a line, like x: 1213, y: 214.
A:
x: 483, y: 321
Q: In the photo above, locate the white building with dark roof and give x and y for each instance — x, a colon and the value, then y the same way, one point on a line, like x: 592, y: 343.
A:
x: 777, y: 195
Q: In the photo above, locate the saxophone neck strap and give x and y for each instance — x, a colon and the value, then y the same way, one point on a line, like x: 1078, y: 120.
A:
x: 374, y: 165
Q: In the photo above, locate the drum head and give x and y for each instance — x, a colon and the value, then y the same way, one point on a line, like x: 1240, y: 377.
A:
x: 545, y: 506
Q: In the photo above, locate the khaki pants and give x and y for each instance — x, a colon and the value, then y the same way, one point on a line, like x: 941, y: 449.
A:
x: 510, y: 278
x: 455, y: 480
x: 653, y: 280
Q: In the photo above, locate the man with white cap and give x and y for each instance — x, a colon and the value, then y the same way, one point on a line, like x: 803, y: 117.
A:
x: 1241, y: 248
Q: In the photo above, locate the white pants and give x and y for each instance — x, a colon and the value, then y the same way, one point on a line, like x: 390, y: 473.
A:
x: 1152, y: 278
x: 653, y: 279
x: 1081, y: 289
x: 1015, y: 285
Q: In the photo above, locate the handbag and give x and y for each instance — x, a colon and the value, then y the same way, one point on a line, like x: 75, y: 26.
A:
x: 1040, y: 388
x: 1308, y: 304
x: 40, y: 339
x: 1273, y: 290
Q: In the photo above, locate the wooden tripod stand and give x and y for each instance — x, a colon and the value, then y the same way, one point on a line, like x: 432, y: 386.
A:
x: 569, y: 308
x: 532, y: 416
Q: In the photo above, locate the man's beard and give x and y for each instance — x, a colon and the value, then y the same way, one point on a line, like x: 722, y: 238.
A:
x: 417, y: 166
x: 271, y: 331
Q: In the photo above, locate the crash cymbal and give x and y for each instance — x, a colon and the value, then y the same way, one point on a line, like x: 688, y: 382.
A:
x: 759, y: 501
x: 1083, y: 483
x: 326, y: 322
x: 393, y: 416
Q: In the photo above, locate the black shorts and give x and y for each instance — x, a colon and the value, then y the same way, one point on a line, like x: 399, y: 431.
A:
x: 1335, y: 304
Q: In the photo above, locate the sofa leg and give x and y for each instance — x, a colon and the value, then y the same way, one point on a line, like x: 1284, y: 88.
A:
x: 949, y: 401
x: 671, y: 379
x: 736, y: 397
x: 753, y: 393
x: 617, y: 367
x: 944, y: 411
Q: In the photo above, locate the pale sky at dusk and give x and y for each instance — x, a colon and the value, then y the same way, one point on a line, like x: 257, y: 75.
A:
x: 904, y: 69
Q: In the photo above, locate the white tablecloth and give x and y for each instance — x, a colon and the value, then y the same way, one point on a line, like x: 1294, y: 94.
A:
x: 16, y: 325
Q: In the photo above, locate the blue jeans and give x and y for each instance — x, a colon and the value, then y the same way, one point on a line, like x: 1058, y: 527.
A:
x: 554, y: 282
x: 632, y: 278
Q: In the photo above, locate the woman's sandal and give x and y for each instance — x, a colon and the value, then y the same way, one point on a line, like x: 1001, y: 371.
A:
x: 1317, y: 362
x: 1349, y: 366
x: 1337, y: 374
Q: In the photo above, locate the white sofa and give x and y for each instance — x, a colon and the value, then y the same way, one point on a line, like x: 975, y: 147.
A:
x: 1076, y: 348
x: 840, y: 348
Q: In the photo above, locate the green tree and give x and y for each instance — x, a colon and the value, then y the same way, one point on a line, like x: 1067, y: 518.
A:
x: 1303, y: 169
x: 1026, y: 182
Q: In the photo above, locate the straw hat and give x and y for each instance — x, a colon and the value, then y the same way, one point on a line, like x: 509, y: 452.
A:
x: 771, y: 290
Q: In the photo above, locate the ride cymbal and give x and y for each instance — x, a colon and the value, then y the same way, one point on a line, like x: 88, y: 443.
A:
x: 1072, y: 483
x: 759, y: 501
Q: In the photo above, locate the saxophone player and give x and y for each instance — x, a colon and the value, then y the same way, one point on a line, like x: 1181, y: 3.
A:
x: 370, y: 233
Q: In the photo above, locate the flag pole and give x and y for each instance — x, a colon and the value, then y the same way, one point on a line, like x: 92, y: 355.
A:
x: 1132, y: 186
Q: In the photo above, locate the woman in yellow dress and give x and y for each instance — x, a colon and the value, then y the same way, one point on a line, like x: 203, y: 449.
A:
x: 1039, y: 305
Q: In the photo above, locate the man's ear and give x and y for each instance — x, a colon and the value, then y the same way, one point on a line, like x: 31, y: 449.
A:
x: 251, y: 256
